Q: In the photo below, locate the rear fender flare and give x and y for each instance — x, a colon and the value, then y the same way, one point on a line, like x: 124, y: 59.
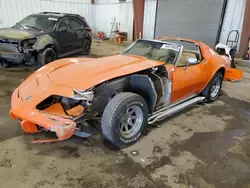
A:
x: 219, y: 69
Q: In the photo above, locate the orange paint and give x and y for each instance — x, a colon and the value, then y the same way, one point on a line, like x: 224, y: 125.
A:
x: 234, y: 75
x: 188, y: 81
x: 62, y: 76
x: 55, y: 109
x: 76, y: 111
x: 29, y: 127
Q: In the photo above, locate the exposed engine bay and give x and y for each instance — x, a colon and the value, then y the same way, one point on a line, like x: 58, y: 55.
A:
x: 153, y: 84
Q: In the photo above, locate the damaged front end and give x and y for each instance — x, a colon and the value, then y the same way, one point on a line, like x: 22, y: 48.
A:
x: 22, y: 51
x: 17, y: 52
x: 72, y: 113
x: 65, y: 116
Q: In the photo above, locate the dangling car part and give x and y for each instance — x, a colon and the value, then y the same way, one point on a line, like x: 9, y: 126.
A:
x: 149, y: 81
x: 232, y: 74
x: 230, y: 48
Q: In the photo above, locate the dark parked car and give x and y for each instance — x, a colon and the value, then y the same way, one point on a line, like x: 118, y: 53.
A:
x: 41, y: 38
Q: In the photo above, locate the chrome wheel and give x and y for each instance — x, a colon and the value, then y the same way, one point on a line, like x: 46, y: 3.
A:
x: 215, y: 87
x: 131, y: 122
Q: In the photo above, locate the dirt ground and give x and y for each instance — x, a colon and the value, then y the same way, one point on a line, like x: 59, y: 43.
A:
x: 205, y: 146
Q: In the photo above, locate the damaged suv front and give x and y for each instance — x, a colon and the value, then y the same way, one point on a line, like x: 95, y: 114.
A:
x: 16, y: 51
x: 21, y: 43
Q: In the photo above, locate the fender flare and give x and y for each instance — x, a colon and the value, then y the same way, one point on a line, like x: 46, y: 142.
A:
x: 139, y: 84
x: 42, y: 42
x: 220, y: 69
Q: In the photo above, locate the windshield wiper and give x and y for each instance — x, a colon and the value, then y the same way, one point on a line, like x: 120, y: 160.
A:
x: 33, y: 27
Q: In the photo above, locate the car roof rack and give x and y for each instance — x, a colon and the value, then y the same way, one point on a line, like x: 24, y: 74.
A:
x: 51, y: 13
x: 65, y: 14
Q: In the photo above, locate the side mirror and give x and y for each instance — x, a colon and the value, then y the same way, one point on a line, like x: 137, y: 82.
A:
x: 191, y: 61
x: 62, y: 29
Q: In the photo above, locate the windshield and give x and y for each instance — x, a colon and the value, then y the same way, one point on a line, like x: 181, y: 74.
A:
x: 38, y: 22
x: 154, y: 50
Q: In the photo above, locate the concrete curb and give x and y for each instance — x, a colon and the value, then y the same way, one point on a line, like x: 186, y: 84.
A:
x: 243, y: 63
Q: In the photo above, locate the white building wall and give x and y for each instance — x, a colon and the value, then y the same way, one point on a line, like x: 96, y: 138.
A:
x: 107, y: 12
x: 12, y: 11
x: 99, y: 15
x: 233, y: 19
x: 149, y: 19
x: 111, y: 1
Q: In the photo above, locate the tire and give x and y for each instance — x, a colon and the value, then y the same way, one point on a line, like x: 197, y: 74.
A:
x: 3, y: 64
x: 122, y: 110
x: 212, y: 91
x: 86, y: 47
x: 46, y: 56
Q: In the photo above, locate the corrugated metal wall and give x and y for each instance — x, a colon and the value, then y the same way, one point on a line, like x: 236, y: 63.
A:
x: 149, y: 19
x: 99, y: 16
x: 106, y: 11
x: 12, y: 11
x: 233, y: 19
x: 196, y: 19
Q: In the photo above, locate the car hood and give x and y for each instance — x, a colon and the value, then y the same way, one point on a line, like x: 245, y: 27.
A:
x: 85, y: 73
x: 16, y: 34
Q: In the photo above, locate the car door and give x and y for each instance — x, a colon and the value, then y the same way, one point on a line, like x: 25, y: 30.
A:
x: 63, y: 36
x: 188, y: 79
x: 77, y: 30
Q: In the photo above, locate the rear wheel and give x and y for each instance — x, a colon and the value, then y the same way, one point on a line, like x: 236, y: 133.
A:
x: 212, y: 91
x: 86, y: 46
x: 124, y: 119
x: 46, y: 56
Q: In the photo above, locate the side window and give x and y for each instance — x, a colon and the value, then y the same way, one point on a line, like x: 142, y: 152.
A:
x: 75, y: 24
x: 63, y: 23
x: 191, y: 52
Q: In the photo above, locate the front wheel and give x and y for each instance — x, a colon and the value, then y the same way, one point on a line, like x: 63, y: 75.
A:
x: 212, y: 91
x: 124, y: 119
x: 46, y: 56
x: 3, y: 64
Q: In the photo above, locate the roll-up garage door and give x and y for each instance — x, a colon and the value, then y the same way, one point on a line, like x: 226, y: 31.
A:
x: 196, y: 19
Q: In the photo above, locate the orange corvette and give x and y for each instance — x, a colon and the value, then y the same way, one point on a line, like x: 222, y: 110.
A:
x: 149, y: 81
